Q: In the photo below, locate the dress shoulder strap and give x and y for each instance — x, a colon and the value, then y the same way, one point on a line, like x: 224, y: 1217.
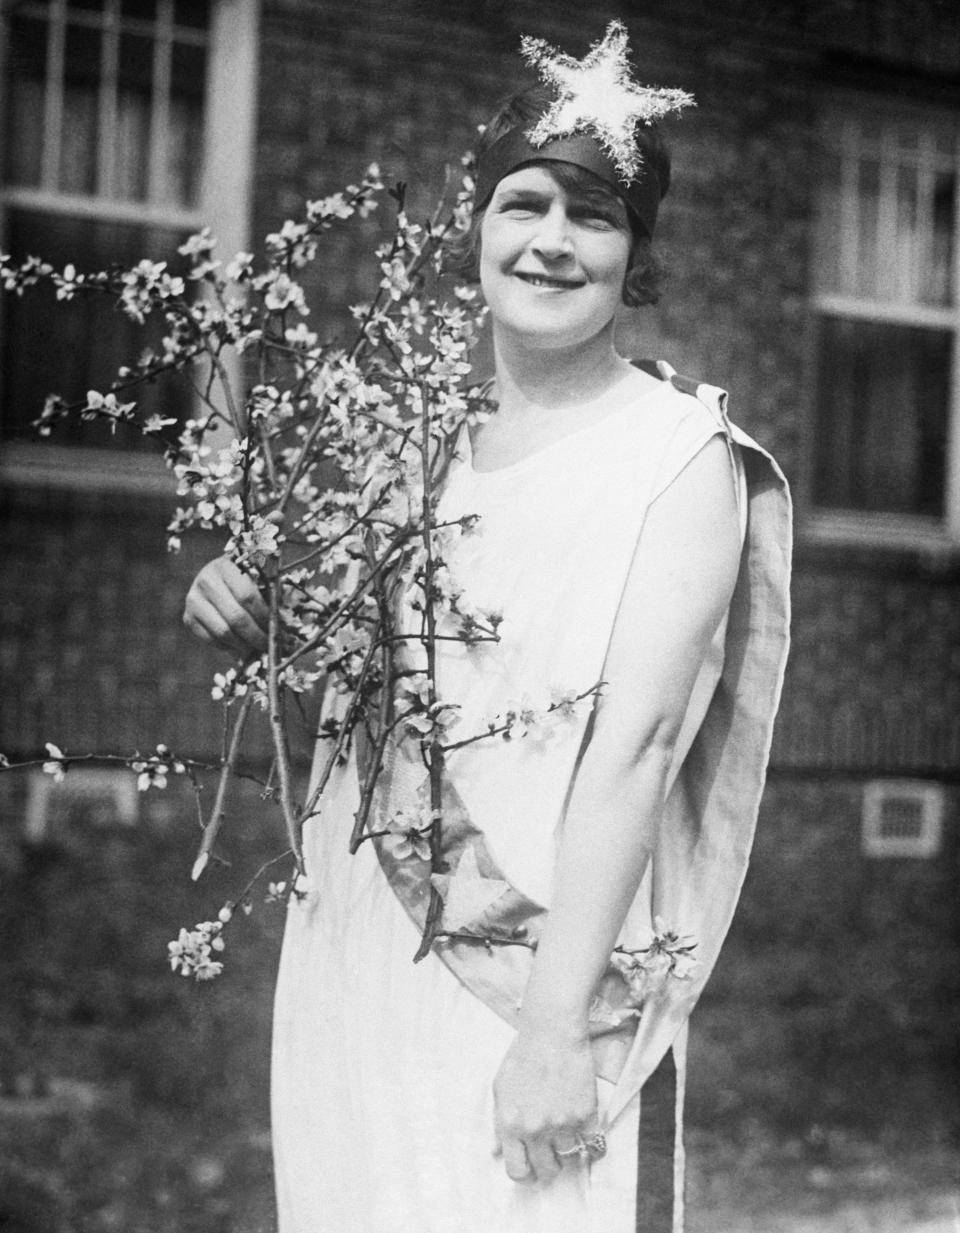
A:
x: 714, y: 400
x: 711, y: 396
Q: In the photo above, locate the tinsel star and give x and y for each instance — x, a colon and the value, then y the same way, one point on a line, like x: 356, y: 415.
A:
x: 596, y: 95
x: 467, y: 894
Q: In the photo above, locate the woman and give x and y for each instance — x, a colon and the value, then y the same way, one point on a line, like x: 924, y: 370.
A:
x: 630, y: 535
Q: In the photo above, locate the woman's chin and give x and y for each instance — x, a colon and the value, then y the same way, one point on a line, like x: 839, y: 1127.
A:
x: 546, y: 335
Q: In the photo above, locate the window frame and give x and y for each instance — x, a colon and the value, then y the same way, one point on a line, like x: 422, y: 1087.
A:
x: 843, y: 526
x: 224, y: 204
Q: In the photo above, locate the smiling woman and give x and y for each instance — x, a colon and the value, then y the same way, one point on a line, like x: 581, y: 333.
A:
x: 631, y: 537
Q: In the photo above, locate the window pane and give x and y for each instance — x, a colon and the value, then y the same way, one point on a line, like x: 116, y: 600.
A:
x: 25, y: 101
x: 185, y: 146
x: 830, y: 232
x: 145, y: 10
x: 188, y: 71
x: 868, y: 226
x: 68, y: 348
x: 195, y: 13
x: 882, y: 417
x: 78, y: 155
x: 902, y: 264
x: 131, y: 155
x: 937, y: 284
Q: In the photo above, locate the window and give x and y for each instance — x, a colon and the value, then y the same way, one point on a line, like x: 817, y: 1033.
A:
x: 902, y: 817
x: 128, y: 125
x: 887, y: 419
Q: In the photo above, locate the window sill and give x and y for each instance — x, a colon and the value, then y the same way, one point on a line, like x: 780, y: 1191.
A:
x: 73, y: 468
x: 911, y: 543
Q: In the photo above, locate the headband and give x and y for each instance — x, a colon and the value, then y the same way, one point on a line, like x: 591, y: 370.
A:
x: 514, y: 149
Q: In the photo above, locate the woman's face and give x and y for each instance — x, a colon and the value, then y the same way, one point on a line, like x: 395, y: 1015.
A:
x: 552, y: 262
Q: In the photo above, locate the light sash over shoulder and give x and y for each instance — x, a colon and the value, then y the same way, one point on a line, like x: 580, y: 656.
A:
x: 573, y: 514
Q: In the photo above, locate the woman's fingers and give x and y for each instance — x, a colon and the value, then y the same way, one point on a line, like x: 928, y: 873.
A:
x: 515, y: 1160
x: 228, y: 629
x: 246, y: 593
x: 224, y: 607
x: 544, y: 1164
x: 540, y: 1158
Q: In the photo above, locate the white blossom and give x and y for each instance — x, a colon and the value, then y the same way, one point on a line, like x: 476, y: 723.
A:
x: 57, y: 765
x: 192, y: 952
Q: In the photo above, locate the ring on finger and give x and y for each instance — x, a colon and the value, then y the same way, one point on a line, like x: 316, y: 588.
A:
x: 579, y: 1149
x: 591, y: 1147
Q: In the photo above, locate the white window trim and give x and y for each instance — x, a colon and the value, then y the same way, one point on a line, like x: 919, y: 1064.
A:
x: 938, y: 536
x: 226, y: 197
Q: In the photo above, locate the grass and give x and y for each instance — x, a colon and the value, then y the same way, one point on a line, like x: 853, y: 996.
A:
x: 829, y: 1181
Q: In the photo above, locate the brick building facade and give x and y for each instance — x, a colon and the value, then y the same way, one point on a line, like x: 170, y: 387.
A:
x: 824, y: 152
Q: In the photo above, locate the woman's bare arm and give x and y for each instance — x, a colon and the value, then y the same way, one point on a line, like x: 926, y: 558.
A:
x: 679, y: 587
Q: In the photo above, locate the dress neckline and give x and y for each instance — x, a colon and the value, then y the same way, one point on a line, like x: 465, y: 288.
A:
x: 620, y: 393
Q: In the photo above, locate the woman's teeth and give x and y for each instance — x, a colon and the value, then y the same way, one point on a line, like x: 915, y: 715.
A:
x: 536, y: 280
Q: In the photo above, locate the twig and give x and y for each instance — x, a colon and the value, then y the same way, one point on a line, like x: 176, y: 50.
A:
x: 278, y: 730
x: 212, y: 828
x: 346, y: 728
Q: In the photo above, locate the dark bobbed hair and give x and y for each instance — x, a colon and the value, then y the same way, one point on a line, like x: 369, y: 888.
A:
x: 641, y: 284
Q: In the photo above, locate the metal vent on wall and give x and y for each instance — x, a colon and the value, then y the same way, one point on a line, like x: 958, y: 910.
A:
x: 902, y: 817
x: 86, y: 796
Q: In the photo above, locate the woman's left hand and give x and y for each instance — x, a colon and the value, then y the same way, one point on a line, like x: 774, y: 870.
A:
x: 545, y: 1104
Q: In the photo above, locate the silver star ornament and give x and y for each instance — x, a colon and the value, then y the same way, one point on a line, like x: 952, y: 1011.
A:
x: 597, y: 96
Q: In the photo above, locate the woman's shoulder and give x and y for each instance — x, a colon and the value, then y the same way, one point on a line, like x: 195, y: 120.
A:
x: 685, y: 401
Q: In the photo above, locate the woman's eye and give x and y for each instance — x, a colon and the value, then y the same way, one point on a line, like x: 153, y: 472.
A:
x: 597, y: 218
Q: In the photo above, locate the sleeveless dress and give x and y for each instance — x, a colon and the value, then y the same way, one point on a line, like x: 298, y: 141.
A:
x: 383, y: 1069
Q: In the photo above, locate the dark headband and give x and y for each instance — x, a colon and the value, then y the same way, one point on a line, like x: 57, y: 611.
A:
x: 514, y: 150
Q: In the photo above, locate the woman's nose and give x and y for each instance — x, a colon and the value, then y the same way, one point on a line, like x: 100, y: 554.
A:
x: 552, y: 237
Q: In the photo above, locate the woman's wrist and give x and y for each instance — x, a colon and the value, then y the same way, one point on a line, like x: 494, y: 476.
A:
x: 562, y: 1023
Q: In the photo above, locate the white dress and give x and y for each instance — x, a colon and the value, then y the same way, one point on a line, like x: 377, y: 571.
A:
x: 382, y: 1101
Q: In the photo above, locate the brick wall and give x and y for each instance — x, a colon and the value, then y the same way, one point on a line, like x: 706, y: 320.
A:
x: 873, y: 684
x: 92, y: 650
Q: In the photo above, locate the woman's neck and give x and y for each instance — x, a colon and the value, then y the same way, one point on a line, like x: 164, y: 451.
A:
x: 555, y: 378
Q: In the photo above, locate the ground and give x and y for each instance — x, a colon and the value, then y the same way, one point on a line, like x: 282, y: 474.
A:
x: 81, y: 1160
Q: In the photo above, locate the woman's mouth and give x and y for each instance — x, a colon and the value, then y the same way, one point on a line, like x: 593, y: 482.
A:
x: 551, y: 284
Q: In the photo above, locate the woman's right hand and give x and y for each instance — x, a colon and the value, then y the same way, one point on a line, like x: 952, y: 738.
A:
x: 225, y: 608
